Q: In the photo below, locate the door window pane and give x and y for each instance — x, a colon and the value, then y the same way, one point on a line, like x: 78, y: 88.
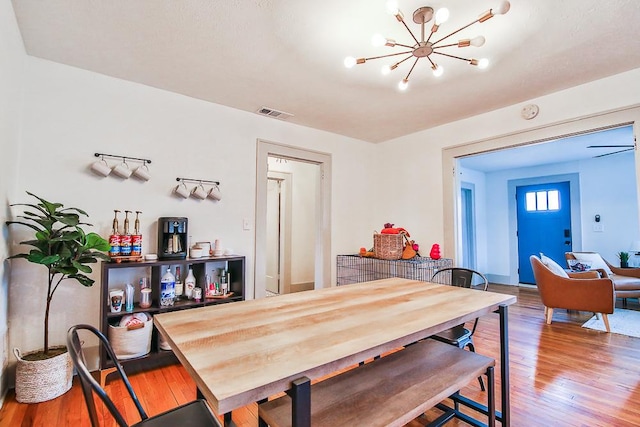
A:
x: 531, y: 201
x: 541, y: 197
x: 542, y: 201
x: 553, y: 197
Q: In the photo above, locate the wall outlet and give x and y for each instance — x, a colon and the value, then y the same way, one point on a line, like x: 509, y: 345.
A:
x: 246, y: 225
x: 598, y: 228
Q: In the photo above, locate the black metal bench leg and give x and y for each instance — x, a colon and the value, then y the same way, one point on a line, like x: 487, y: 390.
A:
x: 491, y: 397
x: 300, y: 393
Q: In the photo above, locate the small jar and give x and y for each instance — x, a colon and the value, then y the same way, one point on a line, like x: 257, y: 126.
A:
x: 145, y: 297
x: 197, y: 294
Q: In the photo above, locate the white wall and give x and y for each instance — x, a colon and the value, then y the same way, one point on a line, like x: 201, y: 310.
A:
x: 69, y: 114
x: 12, y: 57
x: 413, y: 164
x: 608, y: 188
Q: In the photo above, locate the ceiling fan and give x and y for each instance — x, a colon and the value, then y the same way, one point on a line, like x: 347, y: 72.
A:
x: 625, y: 147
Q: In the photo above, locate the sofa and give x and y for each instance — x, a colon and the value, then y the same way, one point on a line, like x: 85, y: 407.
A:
x: 626, y: 281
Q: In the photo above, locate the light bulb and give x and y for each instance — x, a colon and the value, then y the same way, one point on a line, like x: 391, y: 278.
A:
x: 442, y: 15
x: 483, y: 63
x: 386, y: 69
x: 437, y: 70
x: 502, y: 8
x: 349, y: 62
x: 392, y: 7
x: 477, y: 41
x: 378, y: 40
x: 403, y: 84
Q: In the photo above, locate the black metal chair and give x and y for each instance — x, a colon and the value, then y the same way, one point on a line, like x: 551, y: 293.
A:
x: 459, y: 335
x: 193, y: 414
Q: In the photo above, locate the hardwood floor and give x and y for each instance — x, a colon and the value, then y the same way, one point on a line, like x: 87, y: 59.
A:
x: 561, y: 375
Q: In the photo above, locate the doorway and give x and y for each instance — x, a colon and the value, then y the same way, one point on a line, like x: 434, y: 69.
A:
x: 468, y: 228
x: 543, y: 224
x: 309, y: 266
x: 291, y: 221
x: 497, y: 233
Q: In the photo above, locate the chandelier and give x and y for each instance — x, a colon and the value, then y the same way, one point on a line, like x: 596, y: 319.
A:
x: 425, y: 48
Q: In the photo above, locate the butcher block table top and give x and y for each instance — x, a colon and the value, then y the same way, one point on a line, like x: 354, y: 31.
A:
x: 242, y: 352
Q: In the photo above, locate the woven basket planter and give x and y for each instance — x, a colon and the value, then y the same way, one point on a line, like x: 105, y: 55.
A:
x: 42, y: 380
x: 388, y: 246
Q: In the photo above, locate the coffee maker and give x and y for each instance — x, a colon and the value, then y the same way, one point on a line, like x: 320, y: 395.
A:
x: 172, y: 238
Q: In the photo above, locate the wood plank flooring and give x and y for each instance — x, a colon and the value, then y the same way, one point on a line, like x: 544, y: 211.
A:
x: 561, y: 375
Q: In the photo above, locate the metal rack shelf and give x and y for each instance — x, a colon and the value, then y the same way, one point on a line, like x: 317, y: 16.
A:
x: 356, y: 269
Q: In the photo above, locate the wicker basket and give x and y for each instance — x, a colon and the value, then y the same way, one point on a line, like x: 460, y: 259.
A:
x: 129, y: 343
x: 42, y: 380
x: 388, y: 246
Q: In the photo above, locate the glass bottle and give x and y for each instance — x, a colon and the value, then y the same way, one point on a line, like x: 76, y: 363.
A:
x: 179, y: 285
x: 224, y: 285
x: 167, y: 289
x: 189, y: 284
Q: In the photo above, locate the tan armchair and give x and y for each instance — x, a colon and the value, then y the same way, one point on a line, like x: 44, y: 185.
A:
x: 626, y: 281
x: 583, y: 291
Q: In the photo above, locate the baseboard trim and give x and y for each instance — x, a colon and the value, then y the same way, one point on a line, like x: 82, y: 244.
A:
x: 299, y: 287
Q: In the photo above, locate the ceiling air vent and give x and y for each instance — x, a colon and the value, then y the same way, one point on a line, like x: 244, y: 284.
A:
x: 270, y: 112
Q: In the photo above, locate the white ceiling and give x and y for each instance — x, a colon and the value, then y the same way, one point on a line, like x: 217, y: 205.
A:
x: 574, y: 148
x: 288, y: 54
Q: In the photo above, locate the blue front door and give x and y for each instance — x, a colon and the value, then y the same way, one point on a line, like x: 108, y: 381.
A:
x: 544, y: 224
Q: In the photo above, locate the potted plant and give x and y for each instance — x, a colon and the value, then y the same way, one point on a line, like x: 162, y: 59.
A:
x: 624, y: 259
x: 62, y: 247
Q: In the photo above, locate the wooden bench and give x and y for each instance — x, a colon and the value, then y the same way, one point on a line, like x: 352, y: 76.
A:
x: 390, y: 391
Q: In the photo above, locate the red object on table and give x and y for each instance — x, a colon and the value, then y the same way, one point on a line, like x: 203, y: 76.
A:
x: 435, y: 251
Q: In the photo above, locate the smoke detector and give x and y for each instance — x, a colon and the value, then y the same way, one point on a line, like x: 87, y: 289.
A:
x: 276, y: 114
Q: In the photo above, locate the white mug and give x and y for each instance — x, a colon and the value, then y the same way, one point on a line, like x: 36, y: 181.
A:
x: 142, y: 172
x: 199, y: 192
x: 122, y: 170
x: 214, y: 193
x: 101, y: 167
x: 181, y: 190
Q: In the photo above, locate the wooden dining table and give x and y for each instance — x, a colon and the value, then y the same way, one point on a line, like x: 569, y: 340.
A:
x: 243, y: 352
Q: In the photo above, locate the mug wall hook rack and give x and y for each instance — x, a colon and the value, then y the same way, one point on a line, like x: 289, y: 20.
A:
x: 198, y: 192
x: 102, y: 168
x: 198, y: 181
x: 124, y: 158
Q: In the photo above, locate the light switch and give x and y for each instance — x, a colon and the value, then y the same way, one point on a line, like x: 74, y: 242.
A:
x: 598, y: 228
x: 245, y: 224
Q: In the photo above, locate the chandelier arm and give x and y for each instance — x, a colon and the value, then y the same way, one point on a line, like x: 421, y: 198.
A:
x: 412, y: 67
x: 456, y: 31
x: 429, y: 38
x: 386, y: 56
x: 400, y: 62
x: 410, y: 32
x: 453, y: 56
x: 406, y: 45
x: 433, y: 64
x: 444, y: 45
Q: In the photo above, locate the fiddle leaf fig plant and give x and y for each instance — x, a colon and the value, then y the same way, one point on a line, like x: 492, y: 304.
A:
x: 61, y: 246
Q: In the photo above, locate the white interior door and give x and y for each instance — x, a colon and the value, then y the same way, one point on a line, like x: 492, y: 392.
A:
x: 273, y: 236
